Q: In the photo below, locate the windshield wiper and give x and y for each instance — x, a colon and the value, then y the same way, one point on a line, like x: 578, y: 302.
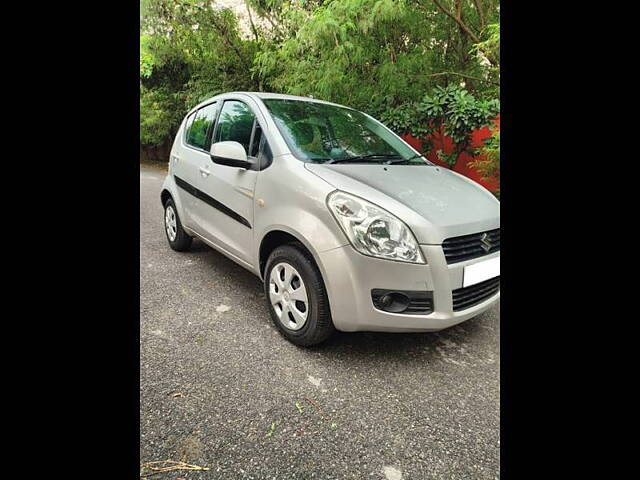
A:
x: 406, y: 160
x: 360, y: 158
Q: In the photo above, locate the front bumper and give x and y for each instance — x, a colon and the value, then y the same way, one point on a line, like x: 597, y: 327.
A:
x: 350, y: 277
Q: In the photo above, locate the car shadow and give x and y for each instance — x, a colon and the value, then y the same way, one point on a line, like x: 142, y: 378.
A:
x: 392, y: 345
x: 407, y: 346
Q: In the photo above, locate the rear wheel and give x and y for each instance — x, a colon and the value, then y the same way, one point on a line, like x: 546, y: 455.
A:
x: 177, y: 237
x: 297, y: 297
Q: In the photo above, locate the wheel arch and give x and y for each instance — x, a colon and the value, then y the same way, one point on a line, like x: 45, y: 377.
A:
x: 281, y: 235
x: 165, y: 195
x: 170, y: 191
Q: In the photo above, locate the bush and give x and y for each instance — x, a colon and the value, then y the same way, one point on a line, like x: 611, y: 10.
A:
x: 449, y: 110
x: 489, y: 163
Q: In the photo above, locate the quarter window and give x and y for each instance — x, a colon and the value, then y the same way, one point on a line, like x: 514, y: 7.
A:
x: 255, y: 142
x: 199, y: 132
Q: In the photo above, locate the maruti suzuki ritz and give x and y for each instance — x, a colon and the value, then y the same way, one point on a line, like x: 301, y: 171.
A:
x: 347, y: 225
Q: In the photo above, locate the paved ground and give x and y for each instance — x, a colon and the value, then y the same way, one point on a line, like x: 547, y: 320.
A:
x: 220, y: 388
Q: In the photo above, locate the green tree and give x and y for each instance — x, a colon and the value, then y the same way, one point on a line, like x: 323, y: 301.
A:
x: 379, y: 56
x: 190, y: 51
x: 451, y: 111
x: 488, y: 164
x: 376, y: 54
x: 488, y: 50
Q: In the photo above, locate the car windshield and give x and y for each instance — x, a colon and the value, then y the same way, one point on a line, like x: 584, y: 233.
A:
x: 321, y: 133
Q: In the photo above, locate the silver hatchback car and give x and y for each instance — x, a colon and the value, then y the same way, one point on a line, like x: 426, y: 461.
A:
x: 347, y: 225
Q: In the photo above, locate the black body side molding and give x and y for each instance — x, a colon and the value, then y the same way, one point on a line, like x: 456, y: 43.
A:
x: 187, y: 187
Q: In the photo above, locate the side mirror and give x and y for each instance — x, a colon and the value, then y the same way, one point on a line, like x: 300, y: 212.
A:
x: 231, y: 154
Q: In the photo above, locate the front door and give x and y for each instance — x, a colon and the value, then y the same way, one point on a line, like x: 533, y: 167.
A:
x: 225, y: 213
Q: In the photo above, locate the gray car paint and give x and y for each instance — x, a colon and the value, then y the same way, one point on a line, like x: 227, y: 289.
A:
x: 446, y: 203
x: 290, y: 196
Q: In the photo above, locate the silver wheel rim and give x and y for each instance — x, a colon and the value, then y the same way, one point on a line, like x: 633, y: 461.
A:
x: 170, y: 223
x: 288, y: 296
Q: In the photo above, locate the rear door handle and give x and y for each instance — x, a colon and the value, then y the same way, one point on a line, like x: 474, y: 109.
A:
x: 204, y: 172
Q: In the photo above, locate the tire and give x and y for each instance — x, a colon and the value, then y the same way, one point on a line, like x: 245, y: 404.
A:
x: 292, y: 259
x: 181, y: 241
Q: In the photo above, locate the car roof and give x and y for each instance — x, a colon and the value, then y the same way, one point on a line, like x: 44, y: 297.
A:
x: 267, y: 95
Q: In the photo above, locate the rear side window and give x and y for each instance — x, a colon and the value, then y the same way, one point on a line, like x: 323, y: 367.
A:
x: 187, y: 125
x: 235, y: 123
x: 200, y: 128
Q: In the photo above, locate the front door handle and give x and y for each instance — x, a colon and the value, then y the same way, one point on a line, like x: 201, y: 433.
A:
x: 204, y: 172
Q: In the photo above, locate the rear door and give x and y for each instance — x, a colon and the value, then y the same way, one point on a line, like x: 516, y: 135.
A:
x: 194, y: 153
x: 226, y: 215
x: 180, y: 168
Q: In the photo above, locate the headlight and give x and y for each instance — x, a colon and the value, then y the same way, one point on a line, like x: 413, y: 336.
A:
x: 373, y: 231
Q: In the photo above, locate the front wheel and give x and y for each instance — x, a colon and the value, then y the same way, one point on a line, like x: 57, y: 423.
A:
x: 177, y: 237
x: 298, y: 301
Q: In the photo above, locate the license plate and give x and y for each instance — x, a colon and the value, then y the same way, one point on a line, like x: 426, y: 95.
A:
x: 481, y: 271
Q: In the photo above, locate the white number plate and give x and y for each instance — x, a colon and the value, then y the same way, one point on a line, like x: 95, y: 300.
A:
x: 481, y: 271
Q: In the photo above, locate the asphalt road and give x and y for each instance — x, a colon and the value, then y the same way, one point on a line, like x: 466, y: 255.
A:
x: 221, y: 389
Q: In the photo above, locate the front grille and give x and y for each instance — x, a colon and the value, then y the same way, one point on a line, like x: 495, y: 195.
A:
x: 458, y: 249
x: 469, y: 296
x: 420, y: 307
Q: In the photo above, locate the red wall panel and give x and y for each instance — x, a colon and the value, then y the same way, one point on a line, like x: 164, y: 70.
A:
x: 444, y: 143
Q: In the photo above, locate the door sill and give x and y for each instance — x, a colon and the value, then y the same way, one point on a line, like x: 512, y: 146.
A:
x: 222, y: 250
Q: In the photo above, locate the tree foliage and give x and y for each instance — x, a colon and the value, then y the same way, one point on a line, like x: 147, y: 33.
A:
x: 374, y: 54
x: 417, y: 65
x: 489, y: 163
x: 451, y: 111
x: 189, y: 51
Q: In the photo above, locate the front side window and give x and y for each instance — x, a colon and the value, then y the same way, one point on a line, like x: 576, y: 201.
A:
x: 199, y: 131
x: 235, y: 124
x: 317, y: 132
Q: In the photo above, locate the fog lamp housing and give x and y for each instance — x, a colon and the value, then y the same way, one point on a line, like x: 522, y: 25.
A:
x: 409, y: 302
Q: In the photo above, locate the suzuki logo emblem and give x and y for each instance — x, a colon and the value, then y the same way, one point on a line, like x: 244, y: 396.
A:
x: 485, y: 243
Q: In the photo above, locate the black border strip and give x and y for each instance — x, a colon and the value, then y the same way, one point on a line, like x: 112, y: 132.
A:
x: 187, y: 187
